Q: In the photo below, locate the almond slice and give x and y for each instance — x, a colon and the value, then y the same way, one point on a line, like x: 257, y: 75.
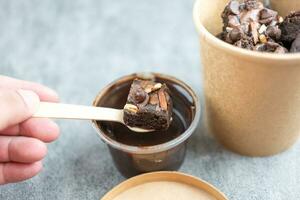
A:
x: 162, y: 100
x: 157, y: 86
x: 154, y: 99
x: 254, y: 27
x: 131, y: 108
x: 262, y: 29
x: 148, y: 88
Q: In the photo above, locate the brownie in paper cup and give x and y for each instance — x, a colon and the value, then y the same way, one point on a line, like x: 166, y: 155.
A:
x: 252, y: 98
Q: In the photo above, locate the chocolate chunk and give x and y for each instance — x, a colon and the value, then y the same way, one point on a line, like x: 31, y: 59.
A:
x: 148, y: 106
x: 229, y: 14
x: 296, y: 45
x: 290, y: 28
x: 248, y: 16
x: 234, y: 7
x: 233, y: 21
x: 140, y: 96
x: 236, y: 34
x: 245, y: 42
x: 273, y: 32
x: 271, y: 47
x: 222, y: 35
x: 251, y: 4
x: 267, y: 16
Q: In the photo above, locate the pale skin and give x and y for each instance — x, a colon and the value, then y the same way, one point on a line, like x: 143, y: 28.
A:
x: 23, y: 138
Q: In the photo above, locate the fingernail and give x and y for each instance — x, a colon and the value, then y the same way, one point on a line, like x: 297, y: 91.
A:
x: 30, y: 99
x: 53, y: 94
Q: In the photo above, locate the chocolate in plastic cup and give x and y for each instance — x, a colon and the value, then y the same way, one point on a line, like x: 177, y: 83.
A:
x: 252, y: 98
x: 135, y: 159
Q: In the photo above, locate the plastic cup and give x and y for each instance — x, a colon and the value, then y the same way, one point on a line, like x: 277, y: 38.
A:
x: 131, y: 160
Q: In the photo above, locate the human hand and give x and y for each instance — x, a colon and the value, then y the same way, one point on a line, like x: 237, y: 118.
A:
x: 22, y: 138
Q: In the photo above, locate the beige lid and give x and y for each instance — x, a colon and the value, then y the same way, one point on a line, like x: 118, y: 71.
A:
x: 164, y: 186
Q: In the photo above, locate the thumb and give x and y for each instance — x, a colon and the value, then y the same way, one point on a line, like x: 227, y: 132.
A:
x: 16, y: 106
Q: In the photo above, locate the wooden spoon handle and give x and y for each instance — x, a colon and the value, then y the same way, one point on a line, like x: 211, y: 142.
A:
x: 68, y: 111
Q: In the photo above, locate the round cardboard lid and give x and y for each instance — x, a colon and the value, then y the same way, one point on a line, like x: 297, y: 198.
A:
x: 164, y: 185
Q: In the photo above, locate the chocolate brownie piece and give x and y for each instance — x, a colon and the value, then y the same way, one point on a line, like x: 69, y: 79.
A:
x: 249, y: 25
x: 148, y: 106
x: 290, y: 28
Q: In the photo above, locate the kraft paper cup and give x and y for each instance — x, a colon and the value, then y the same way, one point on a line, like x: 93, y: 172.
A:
x: 285, y: 6
x: 160, y: 185
x: 252, y: 98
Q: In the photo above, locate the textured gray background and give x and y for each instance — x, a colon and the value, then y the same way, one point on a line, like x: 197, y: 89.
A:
x: 79, y: 46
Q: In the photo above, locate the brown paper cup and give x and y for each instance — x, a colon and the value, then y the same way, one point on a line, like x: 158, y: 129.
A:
x: 285, y: 6
x: 187, y: 185
x: 252, y: 98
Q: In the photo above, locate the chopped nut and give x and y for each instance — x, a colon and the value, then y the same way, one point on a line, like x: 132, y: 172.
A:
x: 263, y: 38
x: 280, y: 19
x: 131, y: 108
x: 254, y: 27
x: 228, y: 29
x: 262, y: 29
x: 157, y: 86
x: 146, y: 85
x: 162, y: 100
x: 154, y: 99
x: 148, y: 88
x: 234, y: 7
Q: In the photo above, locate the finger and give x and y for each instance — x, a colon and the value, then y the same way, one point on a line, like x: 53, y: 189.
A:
x: 40, y: 128
x: 16, y: 106
x: 15, y: 172
x: 12, y: 130
x: 21, y: 149
x: 45, y: 93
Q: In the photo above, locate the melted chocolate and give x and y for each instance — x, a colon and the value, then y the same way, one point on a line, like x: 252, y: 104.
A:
x: 182, y: 117
x: 130, y: 164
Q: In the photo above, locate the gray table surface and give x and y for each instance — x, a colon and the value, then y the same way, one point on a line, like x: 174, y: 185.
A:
x: 79, y: 46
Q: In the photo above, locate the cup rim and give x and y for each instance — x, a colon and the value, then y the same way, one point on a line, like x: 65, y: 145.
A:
x: 155, y: 148
x: 173, y: 176
x: 233, y: 49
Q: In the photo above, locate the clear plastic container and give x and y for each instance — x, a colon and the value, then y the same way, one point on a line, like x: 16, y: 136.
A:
x: 134, y: 153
